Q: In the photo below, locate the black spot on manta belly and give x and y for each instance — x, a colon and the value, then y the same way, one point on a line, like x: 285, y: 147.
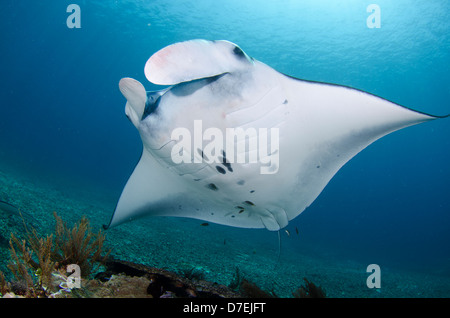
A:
x: 248, y: 202
x: 226, y: 164
x: 200, y: 152
x: 241, y: 182
x: 212, y: 186
x: 220, y: 169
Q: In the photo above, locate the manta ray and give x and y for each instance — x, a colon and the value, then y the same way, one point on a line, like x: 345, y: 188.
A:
x: 215, y: 90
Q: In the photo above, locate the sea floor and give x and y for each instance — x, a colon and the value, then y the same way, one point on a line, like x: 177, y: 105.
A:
x: 215, y: 251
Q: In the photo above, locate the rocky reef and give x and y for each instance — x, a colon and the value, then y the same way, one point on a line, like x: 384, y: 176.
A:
x: 72, y: 262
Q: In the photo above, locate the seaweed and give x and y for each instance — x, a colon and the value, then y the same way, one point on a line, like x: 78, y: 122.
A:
x: 32, y: 259
x: 4, y: 288
x: 250, y: 290
x: 309, y: 290
x: 78, y: 245
x: 35, y: 260
x: 236, y: 281
x: 192, y: 273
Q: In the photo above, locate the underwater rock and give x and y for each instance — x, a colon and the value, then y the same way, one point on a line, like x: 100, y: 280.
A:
x: 12, y: 295
x: 123, y: 279
x: 119, y: 286
x: 161, y: 283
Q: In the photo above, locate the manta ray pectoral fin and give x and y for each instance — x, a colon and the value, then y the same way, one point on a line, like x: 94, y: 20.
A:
x: 136, y: 97
x: 194, y: 59
x: 150, y: 190
x: 333, y: 124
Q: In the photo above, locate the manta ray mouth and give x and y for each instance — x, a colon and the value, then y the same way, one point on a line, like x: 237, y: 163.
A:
x: 151, y: 105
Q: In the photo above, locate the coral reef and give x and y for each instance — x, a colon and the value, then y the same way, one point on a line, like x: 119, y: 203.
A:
x: 166, y: 284
x: 123, y: 279
x: 117, y: 286
x: 40, y: 264
x: 32, y: 260
x: 78, y: 245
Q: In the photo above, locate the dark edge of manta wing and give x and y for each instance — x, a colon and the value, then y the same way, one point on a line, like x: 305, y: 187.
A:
x: 14, y: 210
x: 362, y: 91
x: 106, y: 226
x: 9, y: 204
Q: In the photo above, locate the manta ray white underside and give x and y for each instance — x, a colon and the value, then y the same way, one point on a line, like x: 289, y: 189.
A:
x: 318, y: 128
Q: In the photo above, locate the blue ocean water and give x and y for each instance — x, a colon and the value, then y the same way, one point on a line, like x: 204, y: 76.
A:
x: 62, y: 124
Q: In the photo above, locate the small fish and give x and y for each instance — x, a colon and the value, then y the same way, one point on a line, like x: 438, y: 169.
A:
x: 204, y: 224
x: 287, y: 232
x: 296, y: 230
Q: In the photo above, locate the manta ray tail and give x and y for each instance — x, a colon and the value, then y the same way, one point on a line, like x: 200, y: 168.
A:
x: 279, y: 249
